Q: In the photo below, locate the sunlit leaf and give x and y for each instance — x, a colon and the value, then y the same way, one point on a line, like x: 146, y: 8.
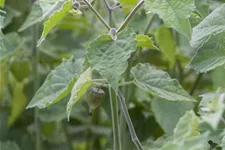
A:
x: 79, y: 89
x: 211, y: 54
x: 109, y: 57
x: 167, y: 113
x: 58, y: 83
x: 166, y: 44
x: 2, y: 3
x: 211, y: 25
x: 39, y: 11
x: 212, y: 107
x: 53, y: 20
x: 145, y: 41
x: 19, y: 102
x: 158, y: 82
x: 174, y: 13
x: 9, y: 145
x: 128, y: 4
x: 187, y: 127
x: 13, y: 44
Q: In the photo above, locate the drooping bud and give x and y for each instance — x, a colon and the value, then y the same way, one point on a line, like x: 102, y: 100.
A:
x: 113, y: 33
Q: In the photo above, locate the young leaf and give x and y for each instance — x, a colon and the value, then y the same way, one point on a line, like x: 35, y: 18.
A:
x: 145, y: 41
x: 58, y: 83
x: 79, y: 89
x: 210, y: 55
x: 212, y: 107
x: 2, y: 3
x: 167, y: 113
x: 19, y: 102
x: 39, y: 11
x: 54, y: 19
x: 128, y: 4
x: 159, y: 83
x: 174, y: 13
x: 109, y: 57
x: 187, y: 127
x: 211, y: 25
x: 166, y: 43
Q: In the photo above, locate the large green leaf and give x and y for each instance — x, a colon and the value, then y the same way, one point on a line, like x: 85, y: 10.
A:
x: 159, y: 83
x: 54, y: 19
x: 19, y: 102
x: 211, y: 25
x: 39, y: 11
x: 167, y: 113
x: 109, y: 57
x: 8, y: 145
x: 13, y: 44
x: 210, y: 55
x: 187, y: 127
x: 145, y: 41
x: 58, y: 83
x: 212, y: 107
x: 79, y: 89
x: 166, y: 43
x: 174, y: 13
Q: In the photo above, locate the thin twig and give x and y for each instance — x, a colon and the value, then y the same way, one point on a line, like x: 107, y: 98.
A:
x: 129, y: 17
x: 105, y: 24
x: 149, y: 24
x: 129, y: 122
x: 115, y: 120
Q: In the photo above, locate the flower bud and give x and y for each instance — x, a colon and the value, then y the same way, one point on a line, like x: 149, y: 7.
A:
x: 113, y: 33
x: 76, y: 5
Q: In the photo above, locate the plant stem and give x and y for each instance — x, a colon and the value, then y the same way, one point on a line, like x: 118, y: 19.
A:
x: 195, y: 84
x: 149, y: 24
x: 129, y: 17
x: 68, y: 139
x: 115, y: 119
x: 107, y: 85
x: 129, y: 122
x: 109, y: 10
x: 105, y: 24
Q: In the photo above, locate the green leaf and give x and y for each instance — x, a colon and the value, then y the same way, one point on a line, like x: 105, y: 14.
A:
x: 212, y: 107
x: 145, y: 41
x: 109, y: 57
x: 159, y: 83
x: 8, y: 145
x: 210, y: 55
x: 58, y: 83
x: 167, y: 113
x: 187, y: 127
x: 79, y: 89
x: 20, y: 68
x: 13, y: 44
x: 128, y: 4
x: 2, y: 3
x: 223, y: 143
x: 19, y: 102
x: 211, y: 25
x: 174, y: 13
x: 217, y: 77
x: 54, y: 19
x: 39, y: 11
x: 166, y: 44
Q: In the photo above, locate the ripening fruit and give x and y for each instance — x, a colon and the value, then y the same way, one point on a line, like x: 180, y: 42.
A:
x: 94, y: 97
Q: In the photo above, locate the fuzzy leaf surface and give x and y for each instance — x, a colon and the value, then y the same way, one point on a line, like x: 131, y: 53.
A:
x: 58, y: 83
x: 158, y: 82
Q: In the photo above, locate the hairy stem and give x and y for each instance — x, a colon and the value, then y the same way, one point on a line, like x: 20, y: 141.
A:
x: 129, y: 122
x: 115, y: 119
x: 105, y: 24
x: 130, y: 16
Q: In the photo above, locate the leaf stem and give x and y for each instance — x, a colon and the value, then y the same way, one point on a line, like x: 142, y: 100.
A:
x: 105, y: 24
x: 107, y: 85
x: 195, y: 84
x: 129, y: 122
x: 115, y: 119
x: 129, y: 17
